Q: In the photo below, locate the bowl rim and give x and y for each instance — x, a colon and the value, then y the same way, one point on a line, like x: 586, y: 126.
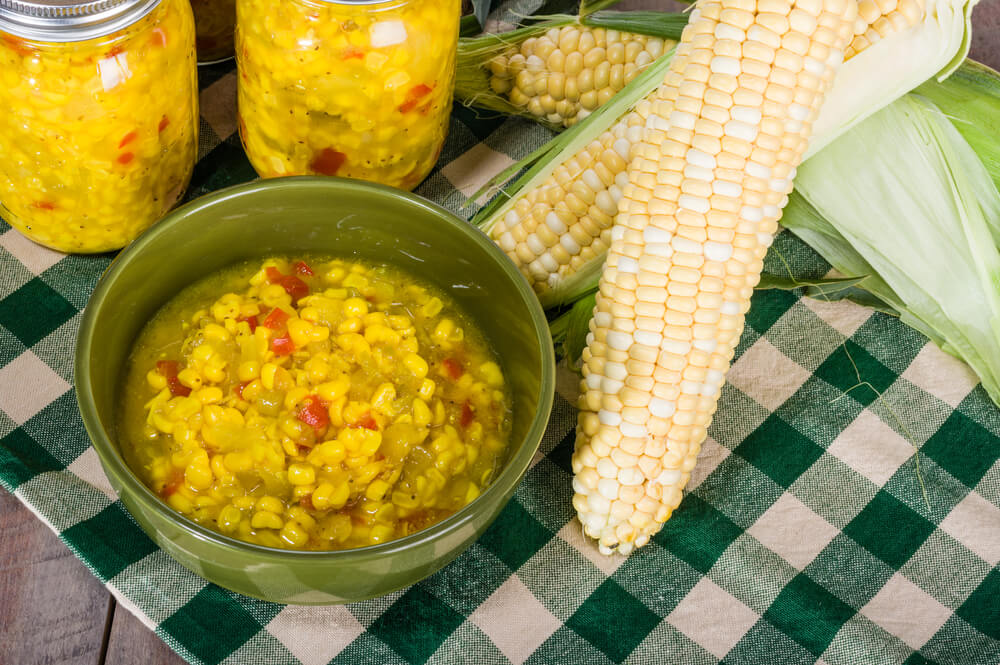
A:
x: 114, y: 463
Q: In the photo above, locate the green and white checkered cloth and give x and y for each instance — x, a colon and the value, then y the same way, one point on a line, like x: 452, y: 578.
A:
x: 805, y: 536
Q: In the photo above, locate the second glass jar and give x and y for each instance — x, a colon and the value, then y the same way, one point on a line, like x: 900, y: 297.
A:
x: 354, y: 89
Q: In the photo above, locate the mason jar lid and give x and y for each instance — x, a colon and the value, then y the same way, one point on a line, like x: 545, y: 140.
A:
x: 70, y: 20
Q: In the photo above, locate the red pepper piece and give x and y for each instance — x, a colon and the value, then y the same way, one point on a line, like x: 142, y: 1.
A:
x: 307, y: 502
x: 251, y: 321
x: 17, y: 45
x: 168, y: 368
x: 238, y: 388
x: 115, y: 51
x: 295, y: 287
x: 164, y: 121
x: 44, y: 205
x: 292, y: 285
x: 468, y: 415
x: 128, y: 138
x: 327, y: 161
x: 367, y: 421
x: 413, y: 97
x: 352, y: 52
x: 314, y: 413
x: 125, y: 158
x: 276, y: 319
x: 303, y: 268
x: 282, y: 346
x: 159, y: 37
x: 453, y: 368
x: 172, y: 486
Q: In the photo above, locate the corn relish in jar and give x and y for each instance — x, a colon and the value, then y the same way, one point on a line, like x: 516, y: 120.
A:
x: 314, y: 404
x: 352, y: 88
x: 98, y: 134
x: 214, y: 25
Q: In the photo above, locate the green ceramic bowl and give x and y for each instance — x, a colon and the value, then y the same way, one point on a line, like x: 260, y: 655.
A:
x: 316, y: 215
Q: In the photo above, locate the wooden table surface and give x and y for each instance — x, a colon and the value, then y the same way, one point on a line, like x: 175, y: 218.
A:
x: 53, y: 610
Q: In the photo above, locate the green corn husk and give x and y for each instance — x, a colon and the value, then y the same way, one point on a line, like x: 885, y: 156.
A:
x: 912, y: 207
x: 472, y: 80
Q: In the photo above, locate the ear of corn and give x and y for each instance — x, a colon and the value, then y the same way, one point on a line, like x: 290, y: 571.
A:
x: 560, y: 70
x: 525, y: 205
x: 705, y: 190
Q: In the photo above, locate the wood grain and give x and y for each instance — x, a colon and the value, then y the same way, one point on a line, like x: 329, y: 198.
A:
x: 53, y: 609
x: 131, y: 643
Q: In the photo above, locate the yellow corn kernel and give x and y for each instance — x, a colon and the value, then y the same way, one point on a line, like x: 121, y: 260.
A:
x: 294, y: 534
x: 301, y: 474
x: 471, y: 493
x: 416, y: 365
x: 301, y: 331
x: 328, y: 453
x: 330, y: 496
x: 209, y: 395
x: 404, y: 499
x: 294, y: 397
x: 409, y: 345
x: 263, y: 519
x: 190, y: 378
x: 443, y: 332
x: 248, y: 370
x: 491, y: 374
x: 156, y: 380
x: 421, y: 413
x: 336, y: 411
x: 299, y: 491
x: 333, y: 390
x: 355, y: 307
x: 161, y: 423
x: 267, y: 373
x: 317, y: 369
x: 439, y: 413
x: 215, y: 372
x: 290, y: 447
x: 180, y: 503
x: 270, y: 504
x: 251, y: 391
x: 432, y: 307
x: 301, y: 515
x: 219, y: 469
x: 202, y: 353
x: 376, y: 490
x: 244, y: 502
x: 380, y: 533
x: 426, y: 390
x: 399, y: 321
x: 380, y: 334
x: 198, y: 474
x: 383, y: 396
x: 212, y: 414
x: 229, y: 519
x: 215, y: 333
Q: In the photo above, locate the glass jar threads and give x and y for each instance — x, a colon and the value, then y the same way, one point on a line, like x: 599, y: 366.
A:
x: 100, y: 122
x: 214, y: 24
x: 351, y: 88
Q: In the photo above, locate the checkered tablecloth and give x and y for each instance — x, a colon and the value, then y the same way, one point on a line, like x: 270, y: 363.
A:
x: 845, y: 508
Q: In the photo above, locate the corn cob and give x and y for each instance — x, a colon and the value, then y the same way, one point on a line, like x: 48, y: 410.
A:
x: 566, y: 73
x: 706, y: 187
x: 561, y: 227
x: 559, y: 71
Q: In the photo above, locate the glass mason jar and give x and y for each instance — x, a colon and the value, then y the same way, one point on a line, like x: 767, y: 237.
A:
x: 214, y: 23
x: 99, y: 129
x: 352, y: 88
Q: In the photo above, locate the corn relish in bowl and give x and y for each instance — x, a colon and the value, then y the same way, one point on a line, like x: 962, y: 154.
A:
x: 314, y: 404
x: 261, y: 394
